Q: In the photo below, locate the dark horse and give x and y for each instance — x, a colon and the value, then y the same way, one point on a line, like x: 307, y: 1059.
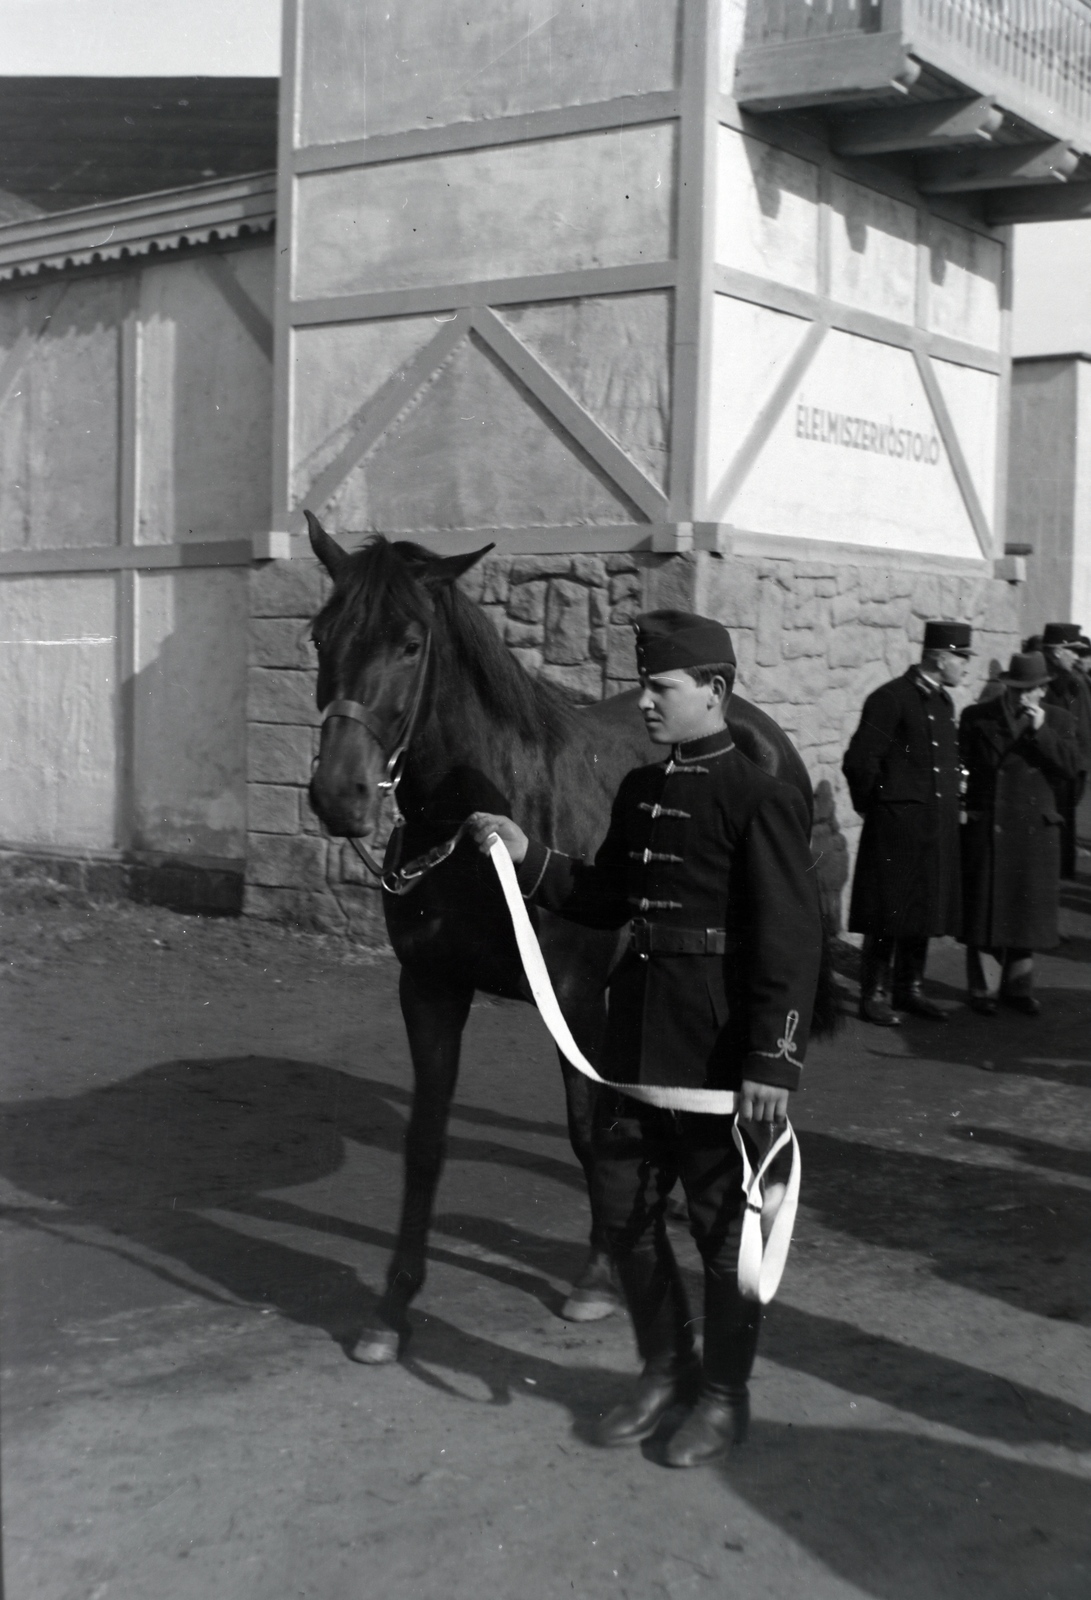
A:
x: 412, y: 662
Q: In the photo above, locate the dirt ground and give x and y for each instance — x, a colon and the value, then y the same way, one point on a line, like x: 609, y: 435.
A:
x: 199, y: 1176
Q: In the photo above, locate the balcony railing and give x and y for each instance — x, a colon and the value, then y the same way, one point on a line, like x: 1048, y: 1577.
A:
x: 1033, y: 57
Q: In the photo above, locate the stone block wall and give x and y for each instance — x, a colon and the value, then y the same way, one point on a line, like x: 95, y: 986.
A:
x: 813, y: 638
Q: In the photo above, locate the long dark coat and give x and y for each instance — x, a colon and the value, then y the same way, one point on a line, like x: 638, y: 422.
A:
x: 705, y: 840
x: 1072, y: 693
x: 902, y: 767
x: 1011, y: 842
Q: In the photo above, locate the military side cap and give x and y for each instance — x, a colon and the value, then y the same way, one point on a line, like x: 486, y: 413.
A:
x: 1067, y: 633
x: 668, y: 640
x: 953, y: 636
x: 1026, y: 671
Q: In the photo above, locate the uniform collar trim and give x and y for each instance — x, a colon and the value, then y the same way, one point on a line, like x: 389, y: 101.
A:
x: 713, y: 744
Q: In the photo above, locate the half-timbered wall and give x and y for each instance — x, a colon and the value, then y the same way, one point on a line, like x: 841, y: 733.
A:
x: 541, y: 282
x: 135, y: 421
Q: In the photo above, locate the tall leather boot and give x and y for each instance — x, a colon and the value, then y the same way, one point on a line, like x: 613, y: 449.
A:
x: 721, y: 1416
x: 875, y: 983
x: 661, y: 1320
x: 910, y: 956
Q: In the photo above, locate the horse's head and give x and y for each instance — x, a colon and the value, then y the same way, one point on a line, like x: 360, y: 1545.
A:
x: 373, y: 638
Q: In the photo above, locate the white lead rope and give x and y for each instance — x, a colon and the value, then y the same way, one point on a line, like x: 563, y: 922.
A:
x: 769, y: 1217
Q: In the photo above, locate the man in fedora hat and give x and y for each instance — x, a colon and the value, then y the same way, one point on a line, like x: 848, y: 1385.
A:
x: 904, y: 777
x: 1069, y: 690
x: 1017, y: 751
x: 708, y: 858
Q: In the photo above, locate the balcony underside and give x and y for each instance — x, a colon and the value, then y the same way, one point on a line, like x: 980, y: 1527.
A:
x: 956, y: 125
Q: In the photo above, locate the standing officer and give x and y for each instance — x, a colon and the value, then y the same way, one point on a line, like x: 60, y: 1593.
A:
x: 709, y: 858
x: 1018, y: 752
x: 1070, y: 691
x: 904, y: 777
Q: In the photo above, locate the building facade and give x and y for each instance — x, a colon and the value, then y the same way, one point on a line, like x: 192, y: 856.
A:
x: 697, y: 304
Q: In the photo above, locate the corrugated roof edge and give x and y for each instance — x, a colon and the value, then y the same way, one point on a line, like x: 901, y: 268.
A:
x: 222, y: 208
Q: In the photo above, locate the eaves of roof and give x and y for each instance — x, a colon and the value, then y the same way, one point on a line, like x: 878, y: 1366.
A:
x: 143, y: 225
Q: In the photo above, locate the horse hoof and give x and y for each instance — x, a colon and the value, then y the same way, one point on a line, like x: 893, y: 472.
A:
x: 376, y: 1347
x: 594, y: 1295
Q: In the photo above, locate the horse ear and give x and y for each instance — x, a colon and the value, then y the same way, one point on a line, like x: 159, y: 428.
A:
x: 445, y: 569
x: 328, y: 551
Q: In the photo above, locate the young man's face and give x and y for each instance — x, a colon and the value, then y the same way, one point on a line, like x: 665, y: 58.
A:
x: 675, y: 708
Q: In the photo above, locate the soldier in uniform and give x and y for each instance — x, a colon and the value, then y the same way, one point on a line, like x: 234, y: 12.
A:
x: 1069, y: 691
x: 904, y: 776
x: 1018, y: 753
x: 708, y: 858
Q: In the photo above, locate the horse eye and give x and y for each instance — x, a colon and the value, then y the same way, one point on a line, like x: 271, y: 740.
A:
x: 412, y: 647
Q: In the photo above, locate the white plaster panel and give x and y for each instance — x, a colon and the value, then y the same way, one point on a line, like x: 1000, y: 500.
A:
x: 334, y: 372
x: 972, y: 397
x: 58, y: 711
x: 476, y: 450
x: 766, y: 211
x: 732, y: 30
x: 60, y: 424
x: 964, y: 283
x: 598, y: 200
x: 814, y: 487
x: 189, y: 755
x: 750, y: 348
x: 612, y: 353
x: 205, y: 413
x: 873, y: 250
x: 372, y: 67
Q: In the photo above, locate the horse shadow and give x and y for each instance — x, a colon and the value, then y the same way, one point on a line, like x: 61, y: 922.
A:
x: 146, y: 1158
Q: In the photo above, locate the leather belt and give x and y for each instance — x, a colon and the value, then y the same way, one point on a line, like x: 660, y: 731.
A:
x: 661, y: 938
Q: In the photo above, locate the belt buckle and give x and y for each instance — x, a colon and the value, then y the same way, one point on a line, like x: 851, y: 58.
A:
x: 640, y: 935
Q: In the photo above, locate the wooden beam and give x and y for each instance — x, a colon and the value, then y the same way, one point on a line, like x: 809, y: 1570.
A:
x: 765, y: 421
x: 591, y: 538
x: 928, y: 125
x: 129, y: 558
x: 622, y: 471
x: 850, y: 319
x: 959, y: 467
x: 249, y: 313
x: 633, y: 279
x: 691, y: 340
x: 379, y: 410
x: 996, y: 167
x: 1068, y: 202
x: 832, y: 68
x: 627, y: 111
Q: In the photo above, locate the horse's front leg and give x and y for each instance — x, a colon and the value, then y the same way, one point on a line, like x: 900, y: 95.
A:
x: 435, y: 1014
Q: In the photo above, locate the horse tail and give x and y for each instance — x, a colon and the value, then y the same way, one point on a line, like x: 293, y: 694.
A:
x: 827, y: 1018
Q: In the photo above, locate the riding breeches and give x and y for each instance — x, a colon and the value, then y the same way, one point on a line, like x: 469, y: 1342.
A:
x: 640, y: 1152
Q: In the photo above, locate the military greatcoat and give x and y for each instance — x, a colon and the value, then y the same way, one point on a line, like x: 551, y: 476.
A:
x: 903, y: 772
x: 1011, y: 842
x: 705, y: 843
x: 1071, y: 693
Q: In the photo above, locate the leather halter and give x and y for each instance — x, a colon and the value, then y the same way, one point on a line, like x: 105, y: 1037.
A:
x: 356, y: 711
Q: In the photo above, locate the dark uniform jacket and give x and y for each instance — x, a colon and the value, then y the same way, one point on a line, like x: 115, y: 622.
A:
x: 1011, y: 843
x: 1070, y: 692
x: 705, y: 840
x: 903, y: 772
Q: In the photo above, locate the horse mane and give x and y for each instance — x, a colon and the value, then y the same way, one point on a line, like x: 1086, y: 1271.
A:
x: 380, y: 590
